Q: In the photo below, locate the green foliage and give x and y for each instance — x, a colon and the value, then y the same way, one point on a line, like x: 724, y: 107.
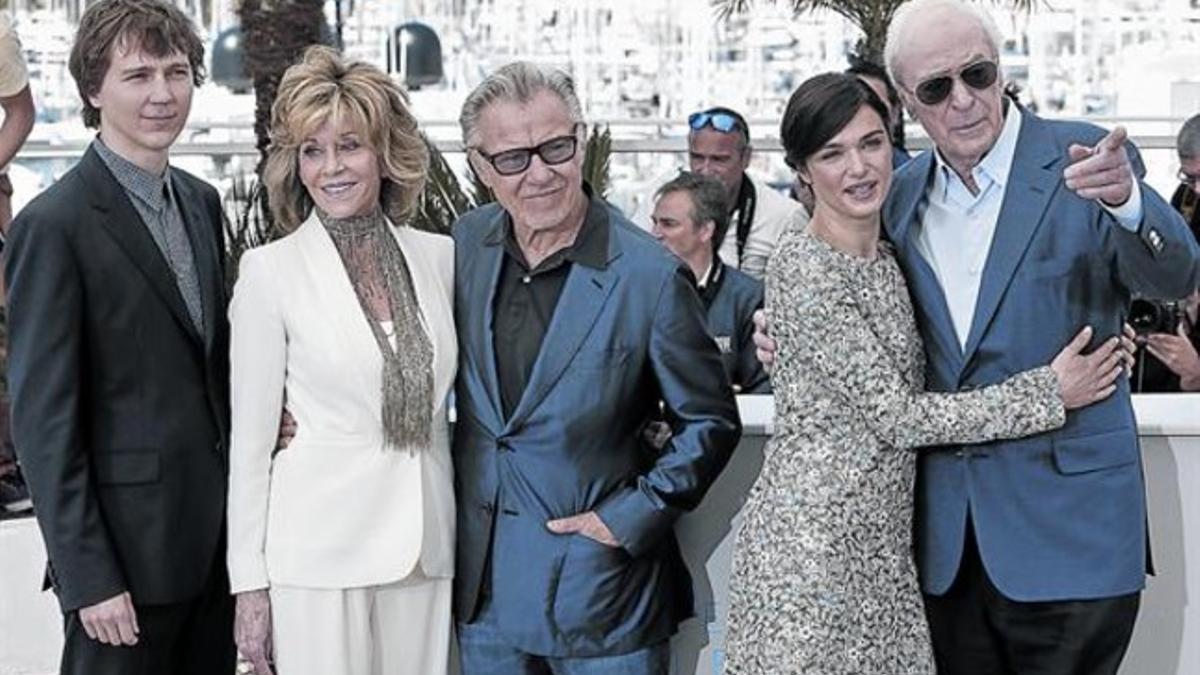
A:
x: 596, y: 159
x: 871, y: 16
x: 250, y: 226
x: 443, y: 200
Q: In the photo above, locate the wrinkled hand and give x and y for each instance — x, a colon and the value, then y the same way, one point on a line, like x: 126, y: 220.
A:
x: 763, y: 342
x: 252, y: 630
x: 588, y: 524
x: 112, y: 621
x: 1129, y: 347
x: 287, y: 430
x: 1177, y: 352
x: 1102, y: 171
x: 1084, y: 379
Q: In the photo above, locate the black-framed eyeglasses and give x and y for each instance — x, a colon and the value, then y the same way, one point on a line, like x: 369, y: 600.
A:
x: 554, y: 151
x: 978, y: 75
x: 1189, y: 179
x: 721, y: 121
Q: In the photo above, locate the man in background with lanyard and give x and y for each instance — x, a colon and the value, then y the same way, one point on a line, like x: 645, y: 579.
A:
x: 719, y: 147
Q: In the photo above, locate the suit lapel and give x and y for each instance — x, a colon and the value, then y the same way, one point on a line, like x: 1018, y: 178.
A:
x: 339, y: 304
x: 490, y: 256
x: 923, y: 283
x: 204, y: 251
x: 583, y: 298
x: 1032, y: 181
x: 121, y: 220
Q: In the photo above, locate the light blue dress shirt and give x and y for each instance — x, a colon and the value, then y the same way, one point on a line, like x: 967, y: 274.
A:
x: 956, y: 226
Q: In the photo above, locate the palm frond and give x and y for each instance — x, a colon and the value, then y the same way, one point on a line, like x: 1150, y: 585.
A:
x: 596, y: 159
x: 247, y: 221
x: 443, y: 200
x: 480, y: 193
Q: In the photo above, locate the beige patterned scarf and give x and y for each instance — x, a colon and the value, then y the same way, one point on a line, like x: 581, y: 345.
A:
x: 382, y: 281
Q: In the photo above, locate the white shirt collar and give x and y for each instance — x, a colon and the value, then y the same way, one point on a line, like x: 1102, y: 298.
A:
x: 996, y: 165
x: 702, y: 280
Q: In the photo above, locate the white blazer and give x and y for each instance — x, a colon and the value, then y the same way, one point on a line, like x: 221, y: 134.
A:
x: 335, y: 509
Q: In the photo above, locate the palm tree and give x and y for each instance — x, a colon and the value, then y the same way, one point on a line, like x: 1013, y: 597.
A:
x: 871, y: 16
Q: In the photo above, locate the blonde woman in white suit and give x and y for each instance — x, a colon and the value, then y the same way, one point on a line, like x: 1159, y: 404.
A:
x: 341, y: 545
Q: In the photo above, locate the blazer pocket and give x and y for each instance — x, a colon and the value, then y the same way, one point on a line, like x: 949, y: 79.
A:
x: 1107, y: 450
x: 599, y: 359
x: 592, y: 594
x: 134, y: 467
x: 1048, y: 268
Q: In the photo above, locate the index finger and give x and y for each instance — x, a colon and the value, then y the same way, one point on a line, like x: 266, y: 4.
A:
x: 1115, y: 139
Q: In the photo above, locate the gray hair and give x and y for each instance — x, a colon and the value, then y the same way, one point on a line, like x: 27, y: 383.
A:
x: 708, y: 201
x: 909, y: 15
x: 519, y: 82
x: 1187, y: 143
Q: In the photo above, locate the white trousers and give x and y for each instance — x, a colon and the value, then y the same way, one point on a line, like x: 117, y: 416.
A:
x: 401, y: 628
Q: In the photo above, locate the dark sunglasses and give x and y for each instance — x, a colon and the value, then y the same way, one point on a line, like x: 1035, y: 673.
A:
x: 722, y: 122
x: 1188, y: 179
x: 554, y: 151
x: 979, y: 75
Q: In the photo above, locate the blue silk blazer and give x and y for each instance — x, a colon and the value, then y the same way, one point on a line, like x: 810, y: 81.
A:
x: 621, y: 339
x: 1061, y: 515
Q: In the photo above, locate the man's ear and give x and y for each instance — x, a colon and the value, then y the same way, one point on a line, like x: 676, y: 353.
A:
x: 481, y: 167
x: 747, y: 151
x: 707, y: 231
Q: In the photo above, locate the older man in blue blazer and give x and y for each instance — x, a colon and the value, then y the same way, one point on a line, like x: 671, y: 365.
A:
x: 573, y: 325
x: 1014, y: 233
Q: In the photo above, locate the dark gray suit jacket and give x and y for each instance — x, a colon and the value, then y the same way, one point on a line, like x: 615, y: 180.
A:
x: 120, y: 406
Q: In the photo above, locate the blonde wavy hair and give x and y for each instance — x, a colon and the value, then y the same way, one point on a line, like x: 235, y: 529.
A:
x: 324, y: 87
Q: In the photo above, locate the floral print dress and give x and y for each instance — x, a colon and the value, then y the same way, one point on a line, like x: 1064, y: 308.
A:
x: 824, y: 580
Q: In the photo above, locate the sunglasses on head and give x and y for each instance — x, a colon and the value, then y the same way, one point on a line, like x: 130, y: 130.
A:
x: 721, y: 121
x: 979, y: 75
x: 554, y: 151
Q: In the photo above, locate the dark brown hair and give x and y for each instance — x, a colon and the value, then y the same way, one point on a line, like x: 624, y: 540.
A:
x: 157, y: 28
x: 820, y: 108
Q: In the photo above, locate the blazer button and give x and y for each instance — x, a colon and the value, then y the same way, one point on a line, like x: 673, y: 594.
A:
x: 501, y: 446
x: 488, y: 508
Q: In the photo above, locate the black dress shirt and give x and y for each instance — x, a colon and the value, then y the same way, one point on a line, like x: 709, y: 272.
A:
x: 526, y: 298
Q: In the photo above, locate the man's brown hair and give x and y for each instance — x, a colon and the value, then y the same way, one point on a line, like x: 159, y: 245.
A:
x: 157, y: 28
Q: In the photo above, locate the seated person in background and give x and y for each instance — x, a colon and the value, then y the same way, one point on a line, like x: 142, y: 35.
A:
x: 1170, y: 362
x: 691, y: 218
x: 875, y: 76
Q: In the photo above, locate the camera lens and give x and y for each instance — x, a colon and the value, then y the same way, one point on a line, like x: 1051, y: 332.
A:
x: 1144, y: 315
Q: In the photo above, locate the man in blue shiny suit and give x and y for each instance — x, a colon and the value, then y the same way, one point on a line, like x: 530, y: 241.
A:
x: 573, y: 325
x: 1014, y: 233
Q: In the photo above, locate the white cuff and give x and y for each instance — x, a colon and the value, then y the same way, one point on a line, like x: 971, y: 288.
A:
x: 1129, y: 214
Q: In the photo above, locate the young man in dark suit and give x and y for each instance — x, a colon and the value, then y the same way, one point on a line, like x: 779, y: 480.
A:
x: 118, y: 363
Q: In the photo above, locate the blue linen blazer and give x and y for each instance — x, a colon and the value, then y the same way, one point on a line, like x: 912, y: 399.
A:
x: 621, y: 339
x: 1061, y: 515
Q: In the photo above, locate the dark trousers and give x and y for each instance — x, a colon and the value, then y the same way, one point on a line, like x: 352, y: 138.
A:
x: 978, y: 631
x: 184, y: 638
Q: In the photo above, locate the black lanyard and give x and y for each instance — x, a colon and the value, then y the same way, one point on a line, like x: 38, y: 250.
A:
x: 746, y: 202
